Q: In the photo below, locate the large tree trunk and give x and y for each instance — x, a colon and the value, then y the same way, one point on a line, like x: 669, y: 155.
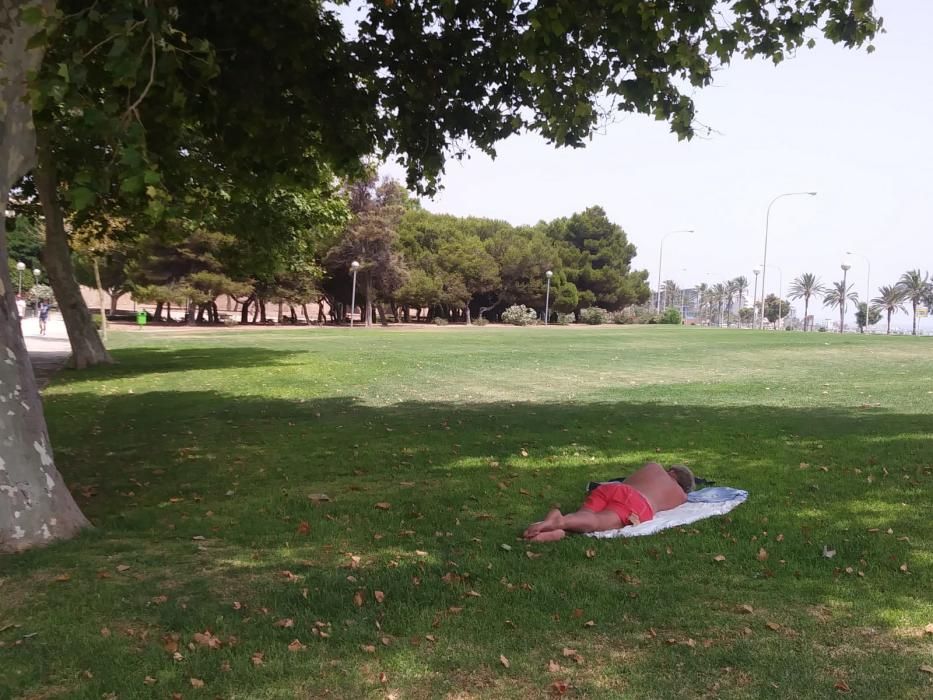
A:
x: 87, y: 348
x: 35, y: 505
x: 889, y: 323
x: 369, y: 301
x: 114, y: 298
x: 244, y: 312
x: 806, y: 309
x: 158, y: 311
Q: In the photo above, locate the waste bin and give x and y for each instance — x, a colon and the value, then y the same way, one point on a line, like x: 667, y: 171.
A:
x: 141, y: 318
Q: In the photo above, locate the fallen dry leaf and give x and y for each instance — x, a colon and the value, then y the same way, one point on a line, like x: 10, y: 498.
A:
x: 385, y: 641
x: 383, y: 678
x: 368, y: 648
x: 123, y: 567
x: 295, y: 645
x: 842, y: 686
x: 304, y: 528
x: 828, y: 553
x: 928, y: 629
x: 285, y: 622
x: 63, y: 578
x: 257, y: 658
x: 383, y: 505
x: 903, y: 568
x: 379, y: 596
x: 105, y: 632
x: 553, y: 666
x: 589, y: 623
x: 288, y: 576
x: 196, y: 682
x: 149, y: 680
x: 532, y: 555
x: 502, y: 660
x: 559, y: 687
x: 524, y: 452
x: 773, y: 626
x: 358, y: 599
x: 719, y: 557
x: 569, y: 652
x: 590, y: 553
x: 925, y: 668
x: 473, y: 594
x: 745, y: 608
x: 206, y: 639
x: 159, y: 599
x: 762, y: 554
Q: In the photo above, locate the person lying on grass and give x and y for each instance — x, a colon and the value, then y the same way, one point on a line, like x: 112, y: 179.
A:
x: 612, y: 505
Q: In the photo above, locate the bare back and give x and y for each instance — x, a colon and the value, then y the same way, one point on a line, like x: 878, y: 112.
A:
x: 657, y: 486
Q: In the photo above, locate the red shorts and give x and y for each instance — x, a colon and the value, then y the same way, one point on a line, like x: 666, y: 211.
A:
x: 623, y: 500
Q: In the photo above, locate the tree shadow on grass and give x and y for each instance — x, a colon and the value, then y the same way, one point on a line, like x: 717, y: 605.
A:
x: 217, y: 510
x: 154, y: 361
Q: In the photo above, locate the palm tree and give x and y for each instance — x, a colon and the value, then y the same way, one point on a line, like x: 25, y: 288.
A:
x: 671, y: 290
x: 915, y: 289
x: 836, y: 296
x: 718, y: 297
x: 804, y: 287
x: 741, y: 286
x: 701, y: 291
x: 891, y: 300
x: 732, y: 290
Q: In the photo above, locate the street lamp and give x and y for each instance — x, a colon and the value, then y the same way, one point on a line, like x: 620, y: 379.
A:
x: 842, y: 302
x: 757, y: 271
x: 35, y: 273
x: 547, y: 295
x: 660, y: 257
x: 867, y: 285
x: 764, y: 261
x: 354, y: 267
x: 21, y: 266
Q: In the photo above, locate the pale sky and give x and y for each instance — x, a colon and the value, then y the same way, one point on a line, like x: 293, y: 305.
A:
x: 853, y: 126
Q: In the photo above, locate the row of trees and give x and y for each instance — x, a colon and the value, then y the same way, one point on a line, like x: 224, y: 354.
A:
x: 411, y: 260
x: 913, y: 287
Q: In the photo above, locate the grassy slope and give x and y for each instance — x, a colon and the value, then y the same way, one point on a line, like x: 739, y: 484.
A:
x: 224, y: 436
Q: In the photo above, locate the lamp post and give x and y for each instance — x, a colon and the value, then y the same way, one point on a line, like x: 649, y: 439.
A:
x: 842, y: 302
x: 547, y: 296
x: 661, y: 256
x: 20, y: 266
x: 764, y: 261
x: 757, y: 271
x: 354, y: 267
x: 867, y: 285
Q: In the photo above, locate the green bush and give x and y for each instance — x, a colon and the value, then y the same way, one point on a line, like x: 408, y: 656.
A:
x: 670, y: 316
x: 97, y: 321
x: 566, y: 319
x: 480, y: 322
x: 594, y: 316
x: 440, y: 321
x: 519, y: 315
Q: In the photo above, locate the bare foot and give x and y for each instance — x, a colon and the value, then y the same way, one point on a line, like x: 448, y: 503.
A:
x: 549, y: 536
x: 550, y: 522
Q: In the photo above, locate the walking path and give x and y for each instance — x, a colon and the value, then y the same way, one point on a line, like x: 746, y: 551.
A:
x: 48, y: 352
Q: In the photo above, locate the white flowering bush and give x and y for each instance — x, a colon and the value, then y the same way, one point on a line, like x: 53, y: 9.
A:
x: 566, y: 319
x: 594, y: 316
x: 519, y: 315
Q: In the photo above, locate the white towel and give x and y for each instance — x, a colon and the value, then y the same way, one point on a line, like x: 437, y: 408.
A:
x: 705, y: 503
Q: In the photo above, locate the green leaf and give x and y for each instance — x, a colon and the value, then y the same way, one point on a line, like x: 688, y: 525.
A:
x: 32, y: 15
x: 37, y: 40
x: 132, y: 185
x: 152, y: 177
x: 63, y: 71
x: 81, y: 197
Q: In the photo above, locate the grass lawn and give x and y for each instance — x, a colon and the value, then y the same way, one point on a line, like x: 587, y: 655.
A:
x: 216, y: 570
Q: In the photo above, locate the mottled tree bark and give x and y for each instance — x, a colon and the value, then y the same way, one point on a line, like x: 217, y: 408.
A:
x: 35, y: 504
